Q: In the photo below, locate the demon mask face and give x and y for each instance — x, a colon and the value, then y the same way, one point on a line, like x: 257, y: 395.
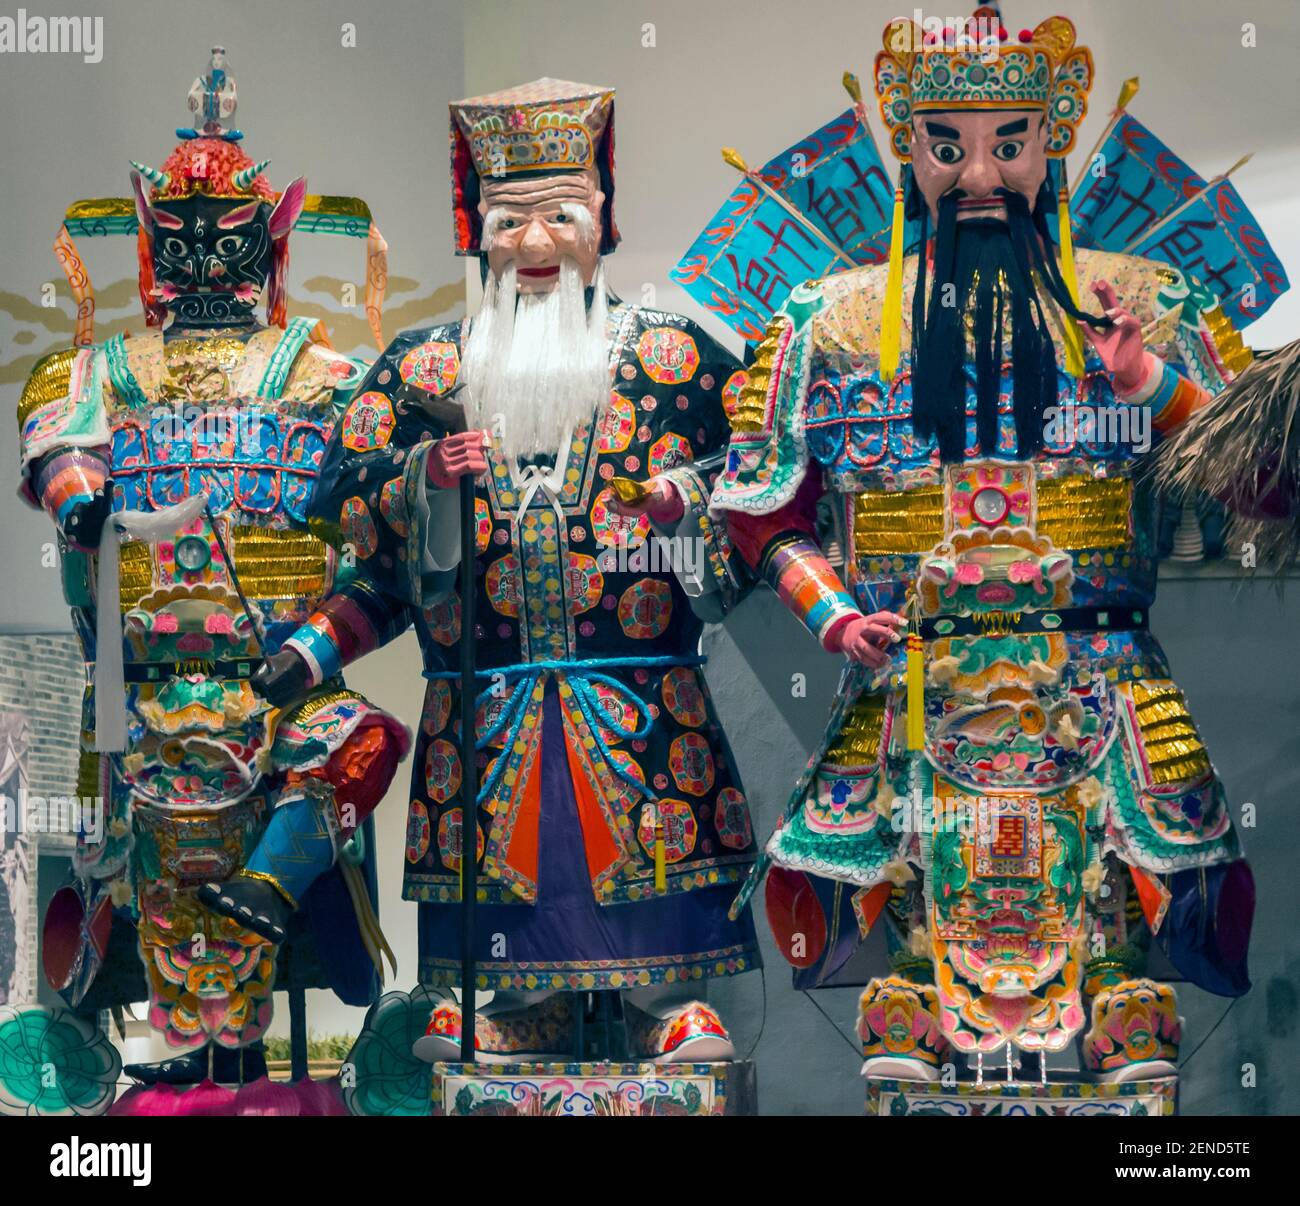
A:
x: 213, y: 257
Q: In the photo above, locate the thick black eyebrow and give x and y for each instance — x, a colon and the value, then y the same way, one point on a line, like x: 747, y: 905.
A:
x: 1014, y: 127
x: 942, y: 131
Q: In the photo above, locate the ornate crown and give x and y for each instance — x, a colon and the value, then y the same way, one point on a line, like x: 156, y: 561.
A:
x: 546, y: 126
x: 976, y: 65
x: 209, y: 162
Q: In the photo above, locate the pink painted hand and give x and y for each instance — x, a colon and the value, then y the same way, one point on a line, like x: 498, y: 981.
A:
x: 661, y: 503
x: 868, y: 639
x: 1120, y: 346
x: 454, y: 457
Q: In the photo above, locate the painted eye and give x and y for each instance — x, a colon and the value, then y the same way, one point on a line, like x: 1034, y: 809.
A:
x: 507, y: 224
x: 947, y: 152
x: 175, y: 247
x: 229, y: 244
x: 561, y: 217
x: 1006, y: 151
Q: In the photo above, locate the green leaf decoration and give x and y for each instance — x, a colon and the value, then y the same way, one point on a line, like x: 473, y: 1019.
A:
x: 54, y: 1063
x: 387, y: 1080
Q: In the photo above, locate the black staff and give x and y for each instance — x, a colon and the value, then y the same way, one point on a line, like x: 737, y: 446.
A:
x: 450, y: 412
x: 469, y: 772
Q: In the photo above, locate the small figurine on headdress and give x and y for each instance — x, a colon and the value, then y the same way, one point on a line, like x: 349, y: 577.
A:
x: 213, y: 101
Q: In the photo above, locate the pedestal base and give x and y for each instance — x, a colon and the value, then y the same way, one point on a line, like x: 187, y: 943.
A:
x: 1067, y: 1098
x: 590, y: 1090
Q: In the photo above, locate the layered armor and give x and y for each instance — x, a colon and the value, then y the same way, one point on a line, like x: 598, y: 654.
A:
x: 1017, y: 793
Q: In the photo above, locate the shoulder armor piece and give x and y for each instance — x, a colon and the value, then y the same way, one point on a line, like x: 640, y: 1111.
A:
x: 49, y: 380
x: 432, y: 366
x: 747, y: 413
x: 852, y: 302
x: 1233, y: 354
x: 1176, y: 310
x: 344, y: 372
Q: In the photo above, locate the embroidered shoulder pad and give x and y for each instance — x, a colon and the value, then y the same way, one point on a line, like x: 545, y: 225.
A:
x: 49, y: 380
x: 432, y: 366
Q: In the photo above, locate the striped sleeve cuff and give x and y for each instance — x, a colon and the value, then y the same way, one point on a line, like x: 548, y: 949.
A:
x: 796, y: 568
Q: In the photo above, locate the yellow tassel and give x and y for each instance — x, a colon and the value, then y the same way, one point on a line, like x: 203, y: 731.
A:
x: 1073, y: 336
x: 661, y: 859
x: 915, y: 692
x: 891, y: 322
x: 372, y: 937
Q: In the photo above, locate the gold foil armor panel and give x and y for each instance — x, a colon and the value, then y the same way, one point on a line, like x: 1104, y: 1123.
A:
x: 274, y: 564
x: 897, y: 522
x: 135, y: 571
x: 1173, y: 747
x: 1085, y: 512
x: 49, y: 380
x: 858, y: 742
x: 749, y: 410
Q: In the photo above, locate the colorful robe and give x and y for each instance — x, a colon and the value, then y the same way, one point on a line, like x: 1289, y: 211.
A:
x: 594, y: 722
x: 246, y: 419
x: 1054, y: 736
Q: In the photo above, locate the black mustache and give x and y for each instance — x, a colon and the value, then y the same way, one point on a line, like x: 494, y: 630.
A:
x: 960, y: 194
x: 998, y: 269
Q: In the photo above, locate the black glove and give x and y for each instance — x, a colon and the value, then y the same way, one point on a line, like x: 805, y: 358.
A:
x: 84, y: 523
x: 282, y: 678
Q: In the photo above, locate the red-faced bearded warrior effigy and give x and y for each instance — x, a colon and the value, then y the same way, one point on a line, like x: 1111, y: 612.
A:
x: 1010, y: 783
x: 610, y: 827
x: 178, y: 464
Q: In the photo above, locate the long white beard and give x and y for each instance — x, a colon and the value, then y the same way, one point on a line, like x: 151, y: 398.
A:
x: 537, y: 364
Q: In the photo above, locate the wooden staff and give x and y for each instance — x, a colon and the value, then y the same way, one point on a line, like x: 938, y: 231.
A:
x: 449, y: 411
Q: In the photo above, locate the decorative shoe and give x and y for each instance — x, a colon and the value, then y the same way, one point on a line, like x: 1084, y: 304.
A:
x: 898, y: 1023
x: 691, y: 1033
x: 1135, y: 1032
x: 899, y: 1067
x: 540, y: 1031
x: 230, y: 1065
x: 440, y: 1042
x: 253, y: 903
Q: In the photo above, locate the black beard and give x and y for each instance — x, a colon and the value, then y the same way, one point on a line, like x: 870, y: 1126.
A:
x: 986, y: 271
x: 211, y: 310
